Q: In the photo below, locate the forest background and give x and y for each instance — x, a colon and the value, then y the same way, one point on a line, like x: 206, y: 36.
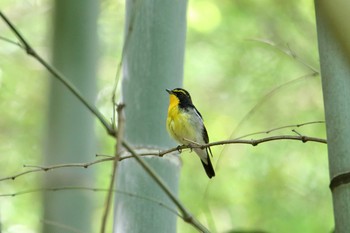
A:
x: 250, y: 66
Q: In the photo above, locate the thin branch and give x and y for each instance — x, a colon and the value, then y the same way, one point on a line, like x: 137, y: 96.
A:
x: 55, y: 189
x: 281, y: 127
x: 289, y: 52
x: 118, y: 150
x: 104, y: 155
x: 11, y: 41
x: 124, y: 51
x: 30, y: 51
x: 253, y: 142
x: 53, y: 167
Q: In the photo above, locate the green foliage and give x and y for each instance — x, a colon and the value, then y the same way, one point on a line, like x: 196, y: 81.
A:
x: 275, y: 187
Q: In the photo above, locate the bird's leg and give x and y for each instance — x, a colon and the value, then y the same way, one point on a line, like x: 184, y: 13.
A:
x: 179, y: 148
x: 189, y: 144
x: 192, y: 144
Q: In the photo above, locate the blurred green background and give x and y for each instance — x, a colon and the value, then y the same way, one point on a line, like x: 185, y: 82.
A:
x: 234, y: 64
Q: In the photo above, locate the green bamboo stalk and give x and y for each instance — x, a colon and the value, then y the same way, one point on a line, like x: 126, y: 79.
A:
x: 70, y: 130
x: 153, y: 62
x: 335, y: 72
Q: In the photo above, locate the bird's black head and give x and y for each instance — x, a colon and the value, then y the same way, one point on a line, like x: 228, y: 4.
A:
x: 183, y: 96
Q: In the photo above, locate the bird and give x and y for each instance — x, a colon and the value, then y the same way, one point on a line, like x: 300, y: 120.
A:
x: 185, y: 125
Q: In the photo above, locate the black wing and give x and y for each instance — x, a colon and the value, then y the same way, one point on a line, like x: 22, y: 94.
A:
x: 207, y: 167
x: 205, y: 135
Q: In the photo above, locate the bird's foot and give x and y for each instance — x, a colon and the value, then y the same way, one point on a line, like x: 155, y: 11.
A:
x: 179, y: 148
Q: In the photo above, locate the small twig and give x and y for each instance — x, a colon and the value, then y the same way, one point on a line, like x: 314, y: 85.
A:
x: 281, y: 127
x: 116, y: 81
x: 124, y: 51
x: 118, y: 150
x: 293, y: 130
x: 55, y: 189
x: 11, y: 41
x: 253, y: 142
x: 289, y: 52
x: 48, y: 168
x: 107, y: 156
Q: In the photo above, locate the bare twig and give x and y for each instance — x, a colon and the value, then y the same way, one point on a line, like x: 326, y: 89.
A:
x: 282, y: 127
x: 124, y: 51
x: 287, y: 51
x: 118, y: 150
x: 58, y: 166
x: 11, y: 41
x: 253, y: 142
x: 55, y: 189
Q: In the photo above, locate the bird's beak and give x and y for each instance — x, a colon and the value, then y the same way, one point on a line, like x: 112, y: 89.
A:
x: 169, y: 91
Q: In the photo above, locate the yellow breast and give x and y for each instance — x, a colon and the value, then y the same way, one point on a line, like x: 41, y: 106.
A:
x: 178, y: 122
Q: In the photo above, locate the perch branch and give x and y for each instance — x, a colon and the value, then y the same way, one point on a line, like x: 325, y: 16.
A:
x: 253, y: 142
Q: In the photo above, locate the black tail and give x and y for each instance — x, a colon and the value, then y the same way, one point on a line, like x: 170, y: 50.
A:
x: 209, y: 168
